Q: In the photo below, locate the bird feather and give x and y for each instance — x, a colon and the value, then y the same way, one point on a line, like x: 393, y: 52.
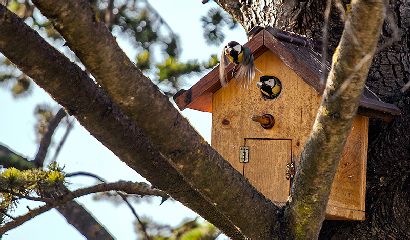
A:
x: 246, y: 71
x: 222, y: 66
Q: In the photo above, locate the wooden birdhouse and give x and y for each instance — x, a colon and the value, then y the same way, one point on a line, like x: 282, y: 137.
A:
x: 262, y: 134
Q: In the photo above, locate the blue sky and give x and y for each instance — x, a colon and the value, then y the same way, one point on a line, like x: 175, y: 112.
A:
x: 82, y: 152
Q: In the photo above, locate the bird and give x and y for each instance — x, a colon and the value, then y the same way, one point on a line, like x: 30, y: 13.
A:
x: 269, y: 86
x: 242, y: 57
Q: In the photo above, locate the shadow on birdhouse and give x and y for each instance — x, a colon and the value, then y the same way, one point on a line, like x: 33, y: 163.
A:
x: 262, y: 139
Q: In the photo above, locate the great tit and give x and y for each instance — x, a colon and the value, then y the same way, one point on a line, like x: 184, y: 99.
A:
x: 269, y: 86
x: 242, y: 57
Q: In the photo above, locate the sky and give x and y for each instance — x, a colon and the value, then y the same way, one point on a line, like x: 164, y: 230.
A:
x: 82, y: 152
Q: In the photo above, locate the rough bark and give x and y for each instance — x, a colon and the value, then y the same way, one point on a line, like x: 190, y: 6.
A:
x: 293, y: 15
x: 233, y: 196
x: 74, y: 213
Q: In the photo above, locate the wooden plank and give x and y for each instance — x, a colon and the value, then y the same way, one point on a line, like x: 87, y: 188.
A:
x: 266, y: 169
x: 349, y: 185
x: 227, y: 123
x: 339, y: 213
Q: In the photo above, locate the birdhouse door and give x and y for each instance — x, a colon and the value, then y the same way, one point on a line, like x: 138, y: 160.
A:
x: 266, y: 167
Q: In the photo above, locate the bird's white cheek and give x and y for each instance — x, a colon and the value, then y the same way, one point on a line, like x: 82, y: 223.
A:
x: 237, y: 48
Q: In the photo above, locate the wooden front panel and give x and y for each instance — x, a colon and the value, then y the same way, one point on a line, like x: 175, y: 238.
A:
x: 266, y: 169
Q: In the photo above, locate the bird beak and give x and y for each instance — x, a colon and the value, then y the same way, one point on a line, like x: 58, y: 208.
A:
x: 228, y: 51
x: 259, y: 84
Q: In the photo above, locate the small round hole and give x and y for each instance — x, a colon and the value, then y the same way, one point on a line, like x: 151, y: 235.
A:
x: 270, y: 87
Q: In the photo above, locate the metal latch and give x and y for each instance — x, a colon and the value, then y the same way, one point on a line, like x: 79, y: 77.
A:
x: 290, y: 171
x: 244, y: 154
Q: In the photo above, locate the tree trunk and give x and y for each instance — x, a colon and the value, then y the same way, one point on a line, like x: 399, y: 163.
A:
x: 388, y: 181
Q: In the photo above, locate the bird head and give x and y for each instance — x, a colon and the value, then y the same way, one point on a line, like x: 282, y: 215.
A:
x: 269, y: 86
x: 233, y: 50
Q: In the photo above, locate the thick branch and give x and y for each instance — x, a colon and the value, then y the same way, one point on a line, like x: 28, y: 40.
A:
x: 141, y: 189
x: 74, y: 213
x: 322, y: 152
x: 46, y: 139
x: 95, y: 111
x: 170, y: 133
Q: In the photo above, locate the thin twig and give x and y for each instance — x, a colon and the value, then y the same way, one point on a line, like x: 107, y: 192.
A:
x: 339, y: 6
x: 46, y: 140
x: 123, y: 196
x: 141, y: 223
x: 8, y: 215
x: 128, y: 187
x: 70, y: 126
x: 324, y: 42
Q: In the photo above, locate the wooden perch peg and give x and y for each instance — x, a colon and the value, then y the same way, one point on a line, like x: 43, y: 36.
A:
x: 267, y: 121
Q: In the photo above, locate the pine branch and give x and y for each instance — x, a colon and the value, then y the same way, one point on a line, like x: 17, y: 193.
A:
x: 75, y: 213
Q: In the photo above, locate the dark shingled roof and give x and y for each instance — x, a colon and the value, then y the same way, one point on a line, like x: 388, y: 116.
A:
x: 300, y: 55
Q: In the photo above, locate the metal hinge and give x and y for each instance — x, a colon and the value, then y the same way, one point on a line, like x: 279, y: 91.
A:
x: 244, y: 154
x: 290, y: 170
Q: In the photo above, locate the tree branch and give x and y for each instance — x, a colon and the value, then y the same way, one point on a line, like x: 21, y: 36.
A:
x: 74, y: 213
x: 102, y: 118
x: 141, y: 189
x: 46, y: 139
x: 322, y: 152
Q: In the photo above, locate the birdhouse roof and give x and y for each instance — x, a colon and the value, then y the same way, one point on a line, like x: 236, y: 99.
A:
x: 299, y: 54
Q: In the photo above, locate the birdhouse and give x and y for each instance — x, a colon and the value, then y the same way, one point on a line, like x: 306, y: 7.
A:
x: 262, y: 129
